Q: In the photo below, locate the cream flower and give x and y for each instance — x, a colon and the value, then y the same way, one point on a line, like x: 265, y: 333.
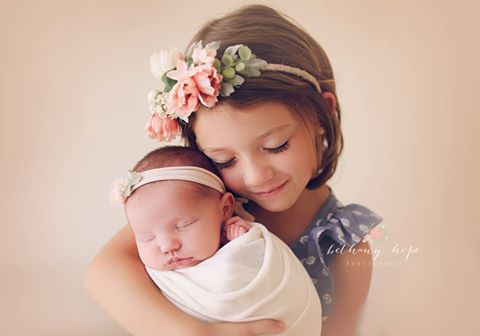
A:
x: 163, y: 61
x: 157, y: 101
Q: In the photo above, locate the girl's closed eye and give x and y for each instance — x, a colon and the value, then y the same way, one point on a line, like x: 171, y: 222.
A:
x: 275, y: 150
x: 223, y: 165
x: 278, y: 149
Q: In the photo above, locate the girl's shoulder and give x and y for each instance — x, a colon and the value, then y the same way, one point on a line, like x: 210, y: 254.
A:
x: 335, y: 227
x: 340, y: 225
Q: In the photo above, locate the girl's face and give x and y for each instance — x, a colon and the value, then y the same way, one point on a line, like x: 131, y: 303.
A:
x: 264, y: 153
x: 173, y: 227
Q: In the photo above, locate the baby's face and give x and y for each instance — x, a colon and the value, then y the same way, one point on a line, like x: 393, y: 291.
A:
x: 173, y: 226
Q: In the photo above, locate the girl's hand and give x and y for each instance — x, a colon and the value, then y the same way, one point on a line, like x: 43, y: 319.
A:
x: 235, y: 226
x: 254, y: 328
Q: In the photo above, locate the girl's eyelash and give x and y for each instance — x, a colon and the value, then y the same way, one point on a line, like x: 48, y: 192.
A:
x: 276, y: 150
x: 223, y: 165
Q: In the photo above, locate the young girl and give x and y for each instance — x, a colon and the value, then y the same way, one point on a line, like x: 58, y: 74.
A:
x: 274, y: 134
x: 179, y: 209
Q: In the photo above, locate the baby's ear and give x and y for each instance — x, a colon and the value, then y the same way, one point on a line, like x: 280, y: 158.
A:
x: 227, y: 203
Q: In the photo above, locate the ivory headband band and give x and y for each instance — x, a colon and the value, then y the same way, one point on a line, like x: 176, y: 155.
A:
x: 124, y: 187
x: 183, y: 173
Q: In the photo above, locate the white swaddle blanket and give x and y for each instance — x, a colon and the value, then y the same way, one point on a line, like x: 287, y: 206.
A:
x: 254, y: 276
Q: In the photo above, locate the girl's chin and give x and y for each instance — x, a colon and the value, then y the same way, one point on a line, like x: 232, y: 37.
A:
x: 277, y: 205
x: 272, y: 203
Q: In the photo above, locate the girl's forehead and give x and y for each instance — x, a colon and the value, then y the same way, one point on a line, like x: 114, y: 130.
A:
x: 226, y: 124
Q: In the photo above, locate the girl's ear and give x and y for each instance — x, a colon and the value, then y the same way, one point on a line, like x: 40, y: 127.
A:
x: 227, y: 203
x: 332, y: 101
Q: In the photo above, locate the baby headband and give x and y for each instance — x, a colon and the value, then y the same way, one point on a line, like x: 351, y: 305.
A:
x: 198, y: 78
x: 123, y: 188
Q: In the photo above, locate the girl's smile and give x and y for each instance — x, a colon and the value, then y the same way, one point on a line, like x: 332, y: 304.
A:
x: 272, y: 191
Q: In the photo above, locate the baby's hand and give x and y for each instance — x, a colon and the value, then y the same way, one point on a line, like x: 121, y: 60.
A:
x: 235, y: 226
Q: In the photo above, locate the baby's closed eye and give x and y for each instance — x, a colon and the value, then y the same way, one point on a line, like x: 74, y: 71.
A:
x: 144, y: 239
x: 185, y: 225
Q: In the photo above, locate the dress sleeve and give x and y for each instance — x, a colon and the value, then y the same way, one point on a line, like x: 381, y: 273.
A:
x: 347, y: 226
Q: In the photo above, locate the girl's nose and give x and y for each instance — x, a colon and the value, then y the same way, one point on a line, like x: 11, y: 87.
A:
x: 169, y: 244
x: 256, y: 173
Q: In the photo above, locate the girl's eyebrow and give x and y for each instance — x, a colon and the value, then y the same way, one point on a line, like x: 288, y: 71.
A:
x: 273, y: 130
x: 261, y: 136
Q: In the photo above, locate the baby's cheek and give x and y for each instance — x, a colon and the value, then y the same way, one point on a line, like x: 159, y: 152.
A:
x: 151, y: 257
x: 231, y: 178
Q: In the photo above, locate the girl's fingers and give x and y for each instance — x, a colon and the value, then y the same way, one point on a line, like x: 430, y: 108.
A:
x: 264, y: 327
x: 254, y: 328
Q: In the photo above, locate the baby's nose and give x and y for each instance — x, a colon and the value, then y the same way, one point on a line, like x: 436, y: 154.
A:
x: 169, y: 244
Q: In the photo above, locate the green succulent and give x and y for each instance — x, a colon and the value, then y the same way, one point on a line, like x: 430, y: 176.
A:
x: 228, y: 72
x: 227, y: 60
x: 245, y: 53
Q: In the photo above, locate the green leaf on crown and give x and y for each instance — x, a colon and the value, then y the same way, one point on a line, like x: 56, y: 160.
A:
x: 169, y: 83
x: 226, y: 89
x: 236, y: 81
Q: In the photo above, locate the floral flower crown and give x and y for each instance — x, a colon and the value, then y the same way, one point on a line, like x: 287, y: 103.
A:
x: 198, y: 78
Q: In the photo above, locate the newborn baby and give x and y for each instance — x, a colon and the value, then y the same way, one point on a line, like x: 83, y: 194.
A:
x: 211, y: 265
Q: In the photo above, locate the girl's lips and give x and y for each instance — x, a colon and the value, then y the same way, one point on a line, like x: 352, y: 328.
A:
x: 272, y: 191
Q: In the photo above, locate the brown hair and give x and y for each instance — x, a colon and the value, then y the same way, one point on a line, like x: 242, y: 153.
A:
x: 277, y: 39
x: 174, y: 156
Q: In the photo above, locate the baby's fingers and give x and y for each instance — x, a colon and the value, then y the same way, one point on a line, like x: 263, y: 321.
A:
x: 229, y: 232
x: 232, y: 220
x: 233, y: 231
x: 239, y: 230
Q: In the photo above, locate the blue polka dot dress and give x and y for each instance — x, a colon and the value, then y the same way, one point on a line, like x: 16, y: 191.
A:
x: 334, y: 226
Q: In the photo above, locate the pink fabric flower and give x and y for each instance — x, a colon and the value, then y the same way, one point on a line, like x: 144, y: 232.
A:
x: 182, y: 71
x: 162, y: 129
x: 208, y: 83
x: 183, y: 99
x: 203, y: 55
x: 195, y: 84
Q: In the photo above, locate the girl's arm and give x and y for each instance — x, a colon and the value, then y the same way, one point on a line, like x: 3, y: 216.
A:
x: 117, y: 280
x: 351, y: 274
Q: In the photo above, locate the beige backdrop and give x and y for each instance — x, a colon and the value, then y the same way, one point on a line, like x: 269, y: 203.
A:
x: 73, y: 90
